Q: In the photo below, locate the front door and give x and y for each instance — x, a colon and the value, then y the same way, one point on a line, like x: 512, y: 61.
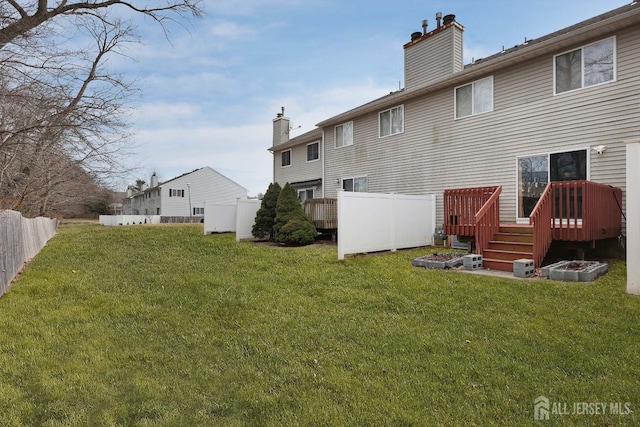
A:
x: 534, y: 172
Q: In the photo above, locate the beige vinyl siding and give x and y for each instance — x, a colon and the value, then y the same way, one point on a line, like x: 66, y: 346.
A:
x: 300, y: 169
x: 437, y: 152
x: 433, y: 58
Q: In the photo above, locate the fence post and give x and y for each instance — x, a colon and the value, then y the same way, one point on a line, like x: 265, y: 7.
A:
x: 633, y: 216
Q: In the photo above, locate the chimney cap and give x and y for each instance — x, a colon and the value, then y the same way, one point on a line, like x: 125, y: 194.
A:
x: 448, y: 19
x: 416, y: 35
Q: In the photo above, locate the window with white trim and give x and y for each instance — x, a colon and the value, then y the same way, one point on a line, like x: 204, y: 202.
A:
x: 344, y: 134
x: 391, y: 121
x: 176, y: 193
x: 589, y: 65
x: 357, y: 184
x: 285, y: 158
x: 474, y: 98
x: 198, y: 211
x: 313, y: 151
x: 306, y: 194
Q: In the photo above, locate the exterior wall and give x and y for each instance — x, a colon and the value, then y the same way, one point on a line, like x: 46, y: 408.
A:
x: 437, y: 152
x: 300, y: 169
x: 433, y: 57
x: 206, y: 185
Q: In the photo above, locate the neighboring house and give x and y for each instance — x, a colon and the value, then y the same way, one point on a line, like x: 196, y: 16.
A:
x: 184, y: 195
x: 557, y: 108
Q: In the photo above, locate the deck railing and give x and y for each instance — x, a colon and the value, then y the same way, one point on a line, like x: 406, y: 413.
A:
x: 488, y: 221
x: 461, y: 206
x: 540, y: 219
x: 322, y: 212
x: 585, y: 210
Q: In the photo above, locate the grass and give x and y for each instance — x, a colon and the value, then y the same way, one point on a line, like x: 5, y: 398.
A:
x: 166, y: 326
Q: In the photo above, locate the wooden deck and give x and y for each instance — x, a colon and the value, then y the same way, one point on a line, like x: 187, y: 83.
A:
x: 322, y: 212
x: 574, y: 211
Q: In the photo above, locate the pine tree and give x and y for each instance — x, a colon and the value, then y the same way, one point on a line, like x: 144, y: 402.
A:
x: 292, y: 226
x: 266, y: 215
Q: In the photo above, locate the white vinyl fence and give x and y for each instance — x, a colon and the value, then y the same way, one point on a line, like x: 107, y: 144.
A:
x: 247, y: 209
x: 370, y: 222
x: 20, y: 240
x: 238, y: 218
x: 219, y: 218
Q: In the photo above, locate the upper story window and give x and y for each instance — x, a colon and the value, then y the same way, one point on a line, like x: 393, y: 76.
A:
x: 344, y: 134
x: 358, y: 184
x: 391, y: 121
x: 474, y: 98
x: 313, y: 151
x: 587, y: 66
x: 285, y: 158
x: 176, y: 193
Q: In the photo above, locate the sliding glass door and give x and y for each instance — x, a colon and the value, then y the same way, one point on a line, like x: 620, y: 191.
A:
x: 534, y: 172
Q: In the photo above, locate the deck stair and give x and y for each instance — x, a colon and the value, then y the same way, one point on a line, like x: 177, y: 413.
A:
x: 510, y: 243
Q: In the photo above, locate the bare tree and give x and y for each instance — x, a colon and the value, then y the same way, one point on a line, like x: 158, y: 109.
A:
x: 61, y: 110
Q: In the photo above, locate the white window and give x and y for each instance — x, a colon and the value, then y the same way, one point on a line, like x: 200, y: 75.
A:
x: 305, y: 194
x: 391, y: 121
x: 176, y: 193
x: 587, y: 66
x: 198, y: 211
x: 313, y: 151
x: 358, y: 184
x: 286, y: 158
x: 474, y: 98
x: 344, y: 134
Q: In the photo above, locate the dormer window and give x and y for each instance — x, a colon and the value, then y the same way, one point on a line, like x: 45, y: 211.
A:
x: 474, y: 98
x: 589, y: 65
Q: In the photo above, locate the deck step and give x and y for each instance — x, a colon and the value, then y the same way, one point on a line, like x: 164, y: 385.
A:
x: 516, y: 228
x: 505, y: 255
x: 513, y: 237
x: 511, y: 246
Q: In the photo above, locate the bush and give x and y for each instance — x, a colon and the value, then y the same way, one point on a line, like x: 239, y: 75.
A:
x: 292, y: 226
x: 266, y: 215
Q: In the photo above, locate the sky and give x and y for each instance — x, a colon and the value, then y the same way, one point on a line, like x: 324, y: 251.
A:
x: 210, y: 91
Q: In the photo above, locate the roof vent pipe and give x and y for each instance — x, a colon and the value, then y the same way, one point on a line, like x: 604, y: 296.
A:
x: 438, y: 18
x: 448, y: 19
x: 425, y: 23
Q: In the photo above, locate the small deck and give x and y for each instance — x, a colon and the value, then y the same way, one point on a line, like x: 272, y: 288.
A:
x: 322, y: 212
x: 572, y: 211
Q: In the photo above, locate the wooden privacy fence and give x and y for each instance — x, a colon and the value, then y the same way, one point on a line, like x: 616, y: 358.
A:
x: 20, y: 240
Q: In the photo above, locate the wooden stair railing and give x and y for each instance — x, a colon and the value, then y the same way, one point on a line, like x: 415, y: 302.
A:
x: 541, y: 220
x: 487, y: 221
x: 460, y: 208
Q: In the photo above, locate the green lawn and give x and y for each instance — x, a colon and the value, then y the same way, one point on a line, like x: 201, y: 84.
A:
x: 162, y: 325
